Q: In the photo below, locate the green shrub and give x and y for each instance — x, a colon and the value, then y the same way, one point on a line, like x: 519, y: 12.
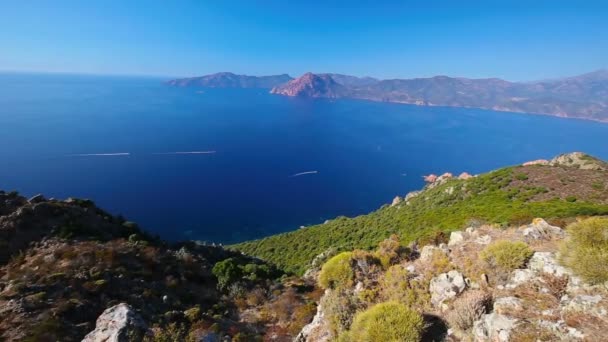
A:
x: 388, y: 321
x: 337, y: 272
x: 226, y: 272
x: 507, y: 255
x: 586, y: 250
x: 571, y: 199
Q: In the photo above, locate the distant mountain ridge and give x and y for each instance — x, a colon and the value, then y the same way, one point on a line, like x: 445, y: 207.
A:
x: 230, y: 80
x: 583, y: 97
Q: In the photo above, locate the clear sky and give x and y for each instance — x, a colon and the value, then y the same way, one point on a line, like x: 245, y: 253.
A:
x: 515, y: 40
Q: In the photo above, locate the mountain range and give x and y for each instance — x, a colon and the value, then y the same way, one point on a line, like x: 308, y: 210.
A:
x: 583, y: 97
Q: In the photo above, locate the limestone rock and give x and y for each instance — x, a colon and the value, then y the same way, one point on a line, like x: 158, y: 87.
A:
x: 119, y: 323
x: 37, y: 199
x: 456, y: 238
x: 519, y: 277
x: 579, y: 160
x: 493, y: 327
x: 540, y: 229
x: 446, y: 286
x: 544, y: 262
x: 428, y: 251
x: 464, y: 176
x: 483, y: 240
x: 536, y: 162
x: 317, y: 330
x: 396, y: 201
x: 583, y: 303
x: 506, y: 305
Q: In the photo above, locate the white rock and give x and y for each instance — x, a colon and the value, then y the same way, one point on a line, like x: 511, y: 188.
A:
x: 317, y: 330
x: 446, y: 286
x: 396, y: 201
x: 520, y: 276
x: 428, y: 251
x: 484, y: 240
x: 544, y: 262
x: 583, y: 303
x: 456, y: 237
x: 117, y: 324
x: 540, y: 229
x: 507, y: 305
x: 493, y: 327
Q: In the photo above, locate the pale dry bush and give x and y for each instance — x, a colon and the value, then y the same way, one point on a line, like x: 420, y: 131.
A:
x: 468, y: 308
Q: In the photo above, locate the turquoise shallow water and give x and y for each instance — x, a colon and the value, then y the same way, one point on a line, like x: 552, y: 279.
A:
x: 273, y: 163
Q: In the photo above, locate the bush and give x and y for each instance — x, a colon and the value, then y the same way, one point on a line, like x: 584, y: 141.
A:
x: 507, y: 255
x: 339, y: 308
x: 337, y: 272
x: 388, y: 321
x: 586, y: 250
x: 468, y: 308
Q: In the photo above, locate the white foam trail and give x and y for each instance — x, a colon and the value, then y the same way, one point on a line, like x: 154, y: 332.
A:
x: 304, y: 173
x: 99, y: 154
x: 187, y: 152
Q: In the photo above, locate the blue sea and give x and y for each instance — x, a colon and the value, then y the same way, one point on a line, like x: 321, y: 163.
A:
x: 271, y: 163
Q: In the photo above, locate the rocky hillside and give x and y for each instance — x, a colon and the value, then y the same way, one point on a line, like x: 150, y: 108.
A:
x: 69, y: 269
x: 230, y: 80
x: 311, y: 85
x: 565, y: 187
x: 534, y: 282
x: 577, y: 97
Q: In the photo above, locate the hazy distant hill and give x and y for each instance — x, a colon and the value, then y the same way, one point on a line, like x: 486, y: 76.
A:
x: 583, y: 96
x: 230, y: 80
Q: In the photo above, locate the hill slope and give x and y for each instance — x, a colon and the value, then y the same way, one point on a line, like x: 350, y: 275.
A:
x: 230, y: 80
x: 571, y: 185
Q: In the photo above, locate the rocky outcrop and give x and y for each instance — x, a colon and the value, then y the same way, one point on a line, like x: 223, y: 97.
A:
x: 396, y: 201
x: 536, y: 162
x: 311, y: 85
x: 446, y: 286
x: 579, y: 160
x: 540, y: 229
x: 317, y: 330
x: 119, y: 323
x: 494, y: 327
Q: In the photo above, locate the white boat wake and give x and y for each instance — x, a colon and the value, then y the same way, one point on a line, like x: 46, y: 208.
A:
x: 186, y: 152
x: 304, y: 173
x: 100, y: 154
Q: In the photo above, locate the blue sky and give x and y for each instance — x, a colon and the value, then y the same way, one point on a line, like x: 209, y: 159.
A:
x: 515, y: 40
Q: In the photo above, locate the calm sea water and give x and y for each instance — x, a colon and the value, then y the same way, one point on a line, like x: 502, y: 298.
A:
x: 364, y: 153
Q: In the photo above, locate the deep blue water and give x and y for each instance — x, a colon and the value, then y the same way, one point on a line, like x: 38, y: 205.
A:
x: 365, y: 152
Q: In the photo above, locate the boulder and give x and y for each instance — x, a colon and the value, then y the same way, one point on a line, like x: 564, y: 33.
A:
x: 446, y: 286
x: 584, y: 303
x: 519, y: 277
x: 317, y: 330
x: 456, y: 238
x: 428, y: 251
x: 506, y: 305
x: 464, y: 176
x: 544, y: 262
x: 119, y: 323
x: 483, y: 240
x: 396, y: 201
x: 493, y: 327
x: 540, y: 229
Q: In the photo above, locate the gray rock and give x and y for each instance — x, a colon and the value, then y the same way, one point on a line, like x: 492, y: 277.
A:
x: 456, y: 238
x: 545, y: 262
x: 427, y: 252
x: 519, y: 277
x: 396, y: 201
x: 483, y: 240
x: 317, y: 330
x: 494, y: 327
x: 540, y: 229
x: 507, y: 305
x: 446, y: 286
x: 119, y: 323
x: 584, y: 303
